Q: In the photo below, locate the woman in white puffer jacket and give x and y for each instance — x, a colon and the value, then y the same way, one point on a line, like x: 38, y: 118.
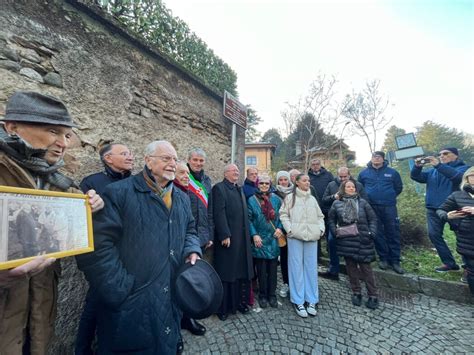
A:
x: 304, y: 223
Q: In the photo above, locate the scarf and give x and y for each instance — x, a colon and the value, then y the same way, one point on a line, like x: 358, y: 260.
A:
x: 33, y: 160
x: 265, y: 204
x: 469, y: 188
x: 163, y: 192
x: 115, y: 174
x: 285, y: 190
x: 180, y: 186
x: 350, y: 209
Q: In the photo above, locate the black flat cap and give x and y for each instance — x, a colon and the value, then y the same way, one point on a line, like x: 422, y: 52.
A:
x: 33, y: 107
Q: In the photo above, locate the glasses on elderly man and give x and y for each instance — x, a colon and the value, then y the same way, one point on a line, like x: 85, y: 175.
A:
x: 263, y: 183
x: 165, y: 158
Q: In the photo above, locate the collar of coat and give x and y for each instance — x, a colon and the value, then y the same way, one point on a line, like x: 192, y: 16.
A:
x: 301, y: 193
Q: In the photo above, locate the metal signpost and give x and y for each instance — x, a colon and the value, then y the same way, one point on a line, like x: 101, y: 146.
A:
x: 237, y: 113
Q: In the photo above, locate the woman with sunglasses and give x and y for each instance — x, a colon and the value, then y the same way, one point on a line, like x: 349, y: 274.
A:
x: 265, y: 229
x: 459, y: 208
x: 304, y: 223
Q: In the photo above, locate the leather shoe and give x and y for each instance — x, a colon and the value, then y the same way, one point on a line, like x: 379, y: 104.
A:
x: 329, y: 275
x: 398, y: 269
x: 222, y: 316
x: 243, y: 308
x: 179, y: 347
x: 193, y: 326
x: 273, y: 302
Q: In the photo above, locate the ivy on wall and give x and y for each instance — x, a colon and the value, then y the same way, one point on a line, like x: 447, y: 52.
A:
x: 152, y: 21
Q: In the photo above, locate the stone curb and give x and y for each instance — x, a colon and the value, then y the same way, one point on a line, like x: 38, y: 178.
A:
x: 448, y: 290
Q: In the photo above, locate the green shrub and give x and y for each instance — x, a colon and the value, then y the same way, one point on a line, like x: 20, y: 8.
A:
x: 412, y: 214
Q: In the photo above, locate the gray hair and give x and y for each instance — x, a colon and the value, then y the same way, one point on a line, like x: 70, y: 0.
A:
x: 343, y: 169
x: 151, y: 148
x: 181, y: 162
x: 228, y: 166
x: 197, y: 151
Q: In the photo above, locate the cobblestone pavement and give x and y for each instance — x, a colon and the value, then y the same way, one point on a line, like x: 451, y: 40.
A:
x: 404, y: 323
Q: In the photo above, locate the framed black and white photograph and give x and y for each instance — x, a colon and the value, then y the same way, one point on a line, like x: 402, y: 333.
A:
x: 38, y: 222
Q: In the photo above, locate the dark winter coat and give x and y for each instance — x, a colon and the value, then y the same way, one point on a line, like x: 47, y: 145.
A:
x: 202, y: 215
x: 360, y: 248
x: 465, y: 226
x: 333, y: 188
x: 319, y: 181
x: 139, y: 245
x: 266, y: 230
x: 382, y: 185
x: 440, y: 180
x: 231, y: 220
x: 99, y: 181
x: 249, y: 188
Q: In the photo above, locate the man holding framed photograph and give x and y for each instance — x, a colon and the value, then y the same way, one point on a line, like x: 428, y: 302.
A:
x: 36, y: 132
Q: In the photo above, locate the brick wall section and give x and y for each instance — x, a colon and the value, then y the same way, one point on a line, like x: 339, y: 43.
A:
x: 116, y: 89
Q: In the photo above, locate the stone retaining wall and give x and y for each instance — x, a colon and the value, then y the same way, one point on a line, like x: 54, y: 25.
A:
x: 116, y: 89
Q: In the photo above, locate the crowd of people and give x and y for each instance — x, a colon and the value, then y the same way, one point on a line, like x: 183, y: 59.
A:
x: 147, y: 225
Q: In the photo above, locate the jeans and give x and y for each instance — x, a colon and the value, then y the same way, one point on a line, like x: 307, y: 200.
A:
x: 333, y: 257
x: 387, y: 240
x: 303, y: 271
x: 435, y: 233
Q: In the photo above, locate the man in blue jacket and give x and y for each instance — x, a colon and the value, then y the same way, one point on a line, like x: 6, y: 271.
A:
x: 383, y: 184
x: 441, y: 180
x: 118, y: 164
x: 144, y: 234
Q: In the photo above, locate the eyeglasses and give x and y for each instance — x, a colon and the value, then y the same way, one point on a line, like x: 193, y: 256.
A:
x: 444, y: 153
x: 124, y: 154
x: 264, y: 183
x: 165, y: 158
x: 377, y: 156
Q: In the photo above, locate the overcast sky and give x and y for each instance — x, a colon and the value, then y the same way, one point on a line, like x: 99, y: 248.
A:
x: 422, y: 51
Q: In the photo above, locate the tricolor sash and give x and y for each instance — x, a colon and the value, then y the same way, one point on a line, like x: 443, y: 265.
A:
x: 198, y: 189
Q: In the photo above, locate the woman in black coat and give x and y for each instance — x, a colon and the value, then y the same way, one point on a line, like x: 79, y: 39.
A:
x: 459, y: 207
x: 358, y: 250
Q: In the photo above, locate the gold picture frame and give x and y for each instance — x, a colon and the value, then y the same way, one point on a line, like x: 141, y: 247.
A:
x: 39, y: 222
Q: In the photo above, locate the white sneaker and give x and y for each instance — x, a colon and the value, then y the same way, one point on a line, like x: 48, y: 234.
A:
x: 311, y: 309
x: 283, y: 292
x: 300, y: 310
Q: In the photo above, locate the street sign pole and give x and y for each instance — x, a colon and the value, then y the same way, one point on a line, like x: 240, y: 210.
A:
x: 236, y: 112
x: 234, y: 138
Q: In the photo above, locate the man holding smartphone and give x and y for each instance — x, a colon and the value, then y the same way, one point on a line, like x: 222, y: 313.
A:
x: 441, y: 179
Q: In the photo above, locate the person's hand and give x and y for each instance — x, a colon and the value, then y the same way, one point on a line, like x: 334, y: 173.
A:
x: 257, y: 240
x: 278, y: 233
x: 209, y: 244
x: 31, y: 268
x: 468, y: 209
x: 192, y: 258
x: 95, y: 201
x: 336, y: 196
x: 433, y: 161
x: 226, y: 242
x: 456, y: 214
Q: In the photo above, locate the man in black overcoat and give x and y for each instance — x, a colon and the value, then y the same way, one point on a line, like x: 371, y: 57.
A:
x: 232, y: 253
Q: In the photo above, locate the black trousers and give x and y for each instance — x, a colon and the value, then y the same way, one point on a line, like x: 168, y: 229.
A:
x: 267, y: 277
